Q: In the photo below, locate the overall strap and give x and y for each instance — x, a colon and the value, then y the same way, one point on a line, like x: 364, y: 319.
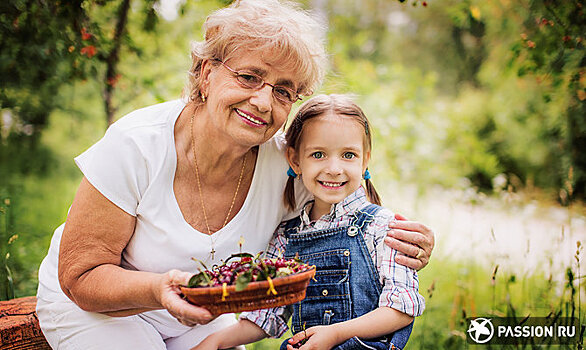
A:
x: 362, y: 217
x: 292, y: 225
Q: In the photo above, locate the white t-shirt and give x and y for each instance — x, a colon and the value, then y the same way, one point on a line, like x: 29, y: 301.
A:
x: 133, y: 166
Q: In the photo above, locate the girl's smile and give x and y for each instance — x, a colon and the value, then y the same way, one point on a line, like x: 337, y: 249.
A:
x: 332, y: 184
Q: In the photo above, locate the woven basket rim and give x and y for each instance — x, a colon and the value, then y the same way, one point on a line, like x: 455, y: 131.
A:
x: 279, y: 281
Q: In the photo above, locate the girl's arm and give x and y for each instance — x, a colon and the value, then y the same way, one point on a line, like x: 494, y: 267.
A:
x: 377, y: 323
x: 243, y: 332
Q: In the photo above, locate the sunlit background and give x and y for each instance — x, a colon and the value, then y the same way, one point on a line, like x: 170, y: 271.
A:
x: 478, y: 110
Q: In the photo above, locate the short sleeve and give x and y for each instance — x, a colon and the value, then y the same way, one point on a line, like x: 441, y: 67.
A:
x: 116, y: 168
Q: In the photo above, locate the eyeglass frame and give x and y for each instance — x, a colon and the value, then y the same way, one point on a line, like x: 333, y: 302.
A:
x: 238, y: 74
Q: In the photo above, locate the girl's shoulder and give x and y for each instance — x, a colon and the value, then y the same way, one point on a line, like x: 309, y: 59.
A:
x: 381, y: 220
x: 381, y: 213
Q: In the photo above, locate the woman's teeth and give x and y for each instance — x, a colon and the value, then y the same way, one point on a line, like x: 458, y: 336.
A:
x: 249, y: 118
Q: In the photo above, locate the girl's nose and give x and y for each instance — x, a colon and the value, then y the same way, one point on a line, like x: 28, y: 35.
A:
x: 334, y: 167
x: 262, y: 99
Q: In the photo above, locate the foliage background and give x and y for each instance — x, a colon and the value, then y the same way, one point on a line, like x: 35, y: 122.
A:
x: 478, y: 109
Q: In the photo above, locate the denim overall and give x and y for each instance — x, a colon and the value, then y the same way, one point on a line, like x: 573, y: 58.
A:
x: 346, y: 283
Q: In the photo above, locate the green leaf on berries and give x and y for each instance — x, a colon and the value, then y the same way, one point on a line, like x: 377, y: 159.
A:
x: 243, y: 280
x: 199, y: 280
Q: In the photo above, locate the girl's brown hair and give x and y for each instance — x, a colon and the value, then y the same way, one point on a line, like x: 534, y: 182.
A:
x: 339, y: 105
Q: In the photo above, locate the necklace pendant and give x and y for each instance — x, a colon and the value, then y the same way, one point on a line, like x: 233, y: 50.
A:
x: 213, y: 251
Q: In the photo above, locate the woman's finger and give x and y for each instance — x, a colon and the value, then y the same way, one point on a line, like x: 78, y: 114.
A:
x: 183, y: 311
x: 413, y: 232
x: 402, y: 247
x: 413, y: 238
x: 409, y: 251
x: 179, y: 278
x: 400, y: 217
x: 415, y: 264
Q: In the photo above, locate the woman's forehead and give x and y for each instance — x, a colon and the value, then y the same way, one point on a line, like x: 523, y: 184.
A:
x: 276, y: 62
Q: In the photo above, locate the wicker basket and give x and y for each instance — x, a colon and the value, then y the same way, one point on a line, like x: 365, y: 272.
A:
x: 290, y: 289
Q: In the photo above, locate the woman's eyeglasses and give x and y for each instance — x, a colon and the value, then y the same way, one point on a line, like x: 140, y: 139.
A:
x: 253, y: 81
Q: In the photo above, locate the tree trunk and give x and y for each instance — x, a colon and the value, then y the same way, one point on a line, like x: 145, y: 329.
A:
x: 112, y: 61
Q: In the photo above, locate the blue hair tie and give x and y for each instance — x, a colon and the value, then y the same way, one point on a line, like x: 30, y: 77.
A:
x: 367, y: 175
x: 291, y: 173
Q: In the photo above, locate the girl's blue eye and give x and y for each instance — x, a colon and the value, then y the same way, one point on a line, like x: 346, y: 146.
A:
x: 317, y: 155
x: 349, y: 155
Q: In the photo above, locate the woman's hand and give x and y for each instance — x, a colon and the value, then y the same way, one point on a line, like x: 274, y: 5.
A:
x: 170, y: 298
x: 316, y: 338
x: 411, y: 238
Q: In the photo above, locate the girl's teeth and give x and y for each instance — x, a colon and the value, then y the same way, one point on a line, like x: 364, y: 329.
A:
x: 332, y: 184
x: 248, y: 118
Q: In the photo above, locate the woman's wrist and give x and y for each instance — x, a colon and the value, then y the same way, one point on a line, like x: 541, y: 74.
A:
x: 155, y: 290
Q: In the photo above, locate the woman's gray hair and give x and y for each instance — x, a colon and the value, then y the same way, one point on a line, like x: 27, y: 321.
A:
x: 294, y: 35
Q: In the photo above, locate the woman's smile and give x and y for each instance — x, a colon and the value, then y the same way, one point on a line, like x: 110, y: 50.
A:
x: 250, y: 118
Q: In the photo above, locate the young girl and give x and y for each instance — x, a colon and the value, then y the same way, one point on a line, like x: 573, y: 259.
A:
x: 360, y: 298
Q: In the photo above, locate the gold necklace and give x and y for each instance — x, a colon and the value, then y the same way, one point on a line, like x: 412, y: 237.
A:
x: 205, y: 216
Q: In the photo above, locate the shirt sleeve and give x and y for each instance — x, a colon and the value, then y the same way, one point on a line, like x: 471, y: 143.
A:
x: 116, y: 168
x: 400, y: 283
x: 273, y: 321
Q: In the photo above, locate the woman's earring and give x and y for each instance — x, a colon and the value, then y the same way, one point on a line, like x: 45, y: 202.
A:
x: 203, y: 97
x: 366, y: 175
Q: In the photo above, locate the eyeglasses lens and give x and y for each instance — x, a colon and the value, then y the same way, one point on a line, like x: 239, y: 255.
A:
x: 255, y: 82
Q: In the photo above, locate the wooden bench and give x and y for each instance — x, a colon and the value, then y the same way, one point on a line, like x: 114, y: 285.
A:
x: 19, y: 325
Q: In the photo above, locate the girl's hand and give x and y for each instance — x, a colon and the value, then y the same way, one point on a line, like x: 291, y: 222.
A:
x: 316, y: 338
x: 411, y: 238
x: 169, y: 296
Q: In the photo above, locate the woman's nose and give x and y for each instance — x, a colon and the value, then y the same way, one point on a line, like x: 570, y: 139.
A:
x: 262, y: 99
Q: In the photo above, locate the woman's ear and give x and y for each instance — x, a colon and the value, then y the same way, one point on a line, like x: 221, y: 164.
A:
x: 293, y: 160
x: 206, y: 69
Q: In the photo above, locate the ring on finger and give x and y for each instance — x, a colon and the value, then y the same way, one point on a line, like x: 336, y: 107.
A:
x: 419, y: 254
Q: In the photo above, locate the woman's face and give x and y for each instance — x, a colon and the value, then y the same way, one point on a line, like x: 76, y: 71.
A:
x: 248, y: 116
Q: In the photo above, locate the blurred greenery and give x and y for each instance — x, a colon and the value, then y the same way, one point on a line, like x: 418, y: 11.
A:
x: 457, y: 291
x: 484, y: 95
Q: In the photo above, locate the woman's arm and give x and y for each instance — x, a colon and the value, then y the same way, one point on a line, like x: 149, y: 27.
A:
x: 96, y: 232
x: 374, y: 324
x: 413, y: 239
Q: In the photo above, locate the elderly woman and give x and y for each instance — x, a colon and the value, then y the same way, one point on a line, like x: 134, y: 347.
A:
x: 184, y: 179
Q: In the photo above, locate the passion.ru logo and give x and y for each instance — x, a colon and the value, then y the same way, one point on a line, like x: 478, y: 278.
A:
x: 529, y: 330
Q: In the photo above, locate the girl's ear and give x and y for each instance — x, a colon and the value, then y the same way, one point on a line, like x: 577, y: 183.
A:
x: 293, y: 159
x: 366, y: 160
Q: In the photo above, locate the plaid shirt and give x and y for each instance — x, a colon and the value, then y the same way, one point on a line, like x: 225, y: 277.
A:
x: 400, y: 283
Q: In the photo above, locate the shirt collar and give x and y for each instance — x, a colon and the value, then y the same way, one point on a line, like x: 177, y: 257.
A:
x: 350, y: 204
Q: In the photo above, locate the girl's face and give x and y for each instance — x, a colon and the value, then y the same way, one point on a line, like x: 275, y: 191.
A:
x: 248, y: 116
x: 331, y: 158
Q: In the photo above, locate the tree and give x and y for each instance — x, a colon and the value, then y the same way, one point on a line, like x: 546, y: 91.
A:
x: 45, y: 45
x: 551, y: 49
